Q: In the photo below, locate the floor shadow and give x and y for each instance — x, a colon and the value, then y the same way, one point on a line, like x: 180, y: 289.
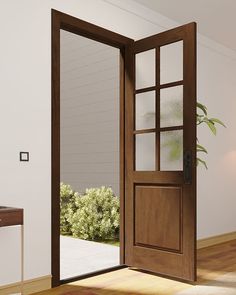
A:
x: 223, y: 282
x: 164, y: 276
x: 79, y: 290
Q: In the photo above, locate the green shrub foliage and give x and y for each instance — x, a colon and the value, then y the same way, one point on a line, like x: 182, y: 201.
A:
x: 67, y: 205
x: 93, y: 215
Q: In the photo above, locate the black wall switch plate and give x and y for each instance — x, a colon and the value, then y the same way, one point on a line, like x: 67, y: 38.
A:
x: 24, y: 156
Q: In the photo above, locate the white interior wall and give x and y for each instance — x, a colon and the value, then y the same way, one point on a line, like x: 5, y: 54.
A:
x: 216, y: 186
x: 89, y: 113
x: 25, y: 105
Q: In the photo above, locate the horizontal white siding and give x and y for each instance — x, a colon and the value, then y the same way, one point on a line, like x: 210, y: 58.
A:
x: 89, y: 113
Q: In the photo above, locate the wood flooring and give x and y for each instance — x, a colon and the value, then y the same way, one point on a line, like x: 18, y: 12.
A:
x: 213, y: 261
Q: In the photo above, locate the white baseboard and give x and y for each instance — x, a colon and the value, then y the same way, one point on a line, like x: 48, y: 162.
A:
x: 29, y: 286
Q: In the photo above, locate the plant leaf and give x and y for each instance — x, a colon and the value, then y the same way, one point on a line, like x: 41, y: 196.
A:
x: 200, y: 161
x: 211, y: 126
x: 201, y: 148
x: 215, y: 120
x: 202, y: 107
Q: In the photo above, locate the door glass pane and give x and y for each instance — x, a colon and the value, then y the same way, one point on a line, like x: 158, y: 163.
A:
x: 171, y: 62
x: 145, y: 110
x: 171, y: 106
x: 145, y: 69
x: 171, y: 150
x: 145, y: 152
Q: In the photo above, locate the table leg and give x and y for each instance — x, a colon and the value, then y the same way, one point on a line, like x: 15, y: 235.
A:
x: 22, y: 260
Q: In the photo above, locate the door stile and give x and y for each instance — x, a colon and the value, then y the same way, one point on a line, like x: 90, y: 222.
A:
x: 129, y: 144
x: 190, y: 135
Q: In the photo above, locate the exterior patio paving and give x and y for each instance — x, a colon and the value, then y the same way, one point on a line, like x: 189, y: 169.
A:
x: 80, y: 257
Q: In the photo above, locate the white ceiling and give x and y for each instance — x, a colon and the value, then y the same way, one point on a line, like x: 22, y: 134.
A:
x: 216, y: 18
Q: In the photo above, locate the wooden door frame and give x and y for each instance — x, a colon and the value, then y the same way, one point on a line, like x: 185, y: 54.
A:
x: 71, y: 24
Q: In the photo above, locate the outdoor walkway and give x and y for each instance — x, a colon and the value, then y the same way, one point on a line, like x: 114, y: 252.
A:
x: 80, y: 257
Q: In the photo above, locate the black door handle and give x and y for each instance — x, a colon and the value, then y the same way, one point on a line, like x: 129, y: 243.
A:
x: 187, y: 167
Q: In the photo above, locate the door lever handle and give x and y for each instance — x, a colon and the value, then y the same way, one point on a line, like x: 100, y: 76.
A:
x: 187, y: 167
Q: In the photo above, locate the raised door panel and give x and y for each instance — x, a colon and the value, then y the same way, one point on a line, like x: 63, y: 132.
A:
x: 158, y: 212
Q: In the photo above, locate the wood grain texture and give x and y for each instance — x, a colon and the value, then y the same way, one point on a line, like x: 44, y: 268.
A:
x: 163, y: 38
x: 29, y: 287
x: 55, y: 150
x: 158, y: 86
x: 158, y: 208
x: 214, y: 240
x: 71, y: 24
x: 86, y: 29
x: 212, y: 262
x: 179, y: 265
x: 11, y: 216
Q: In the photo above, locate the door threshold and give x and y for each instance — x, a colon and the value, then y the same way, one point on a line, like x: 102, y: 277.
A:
x: 92, y: 274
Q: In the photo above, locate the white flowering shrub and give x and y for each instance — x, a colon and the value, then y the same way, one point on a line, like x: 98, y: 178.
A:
x: 96, y: 216
x: 67, y: 205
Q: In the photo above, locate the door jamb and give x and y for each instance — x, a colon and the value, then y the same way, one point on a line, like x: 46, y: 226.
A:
x: 71, y: 24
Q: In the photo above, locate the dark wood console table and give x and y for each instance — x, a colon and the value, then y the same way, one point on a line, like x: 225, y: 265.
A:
x: 10, y: 217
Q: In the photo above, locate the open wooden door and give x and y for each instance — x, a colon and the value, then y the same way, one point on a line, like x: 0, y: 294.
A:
x: 160, y: 144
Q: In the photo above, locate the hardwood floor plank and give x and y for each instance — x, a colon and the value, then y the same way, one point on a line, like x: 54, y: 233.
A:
x: 213, y: 261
